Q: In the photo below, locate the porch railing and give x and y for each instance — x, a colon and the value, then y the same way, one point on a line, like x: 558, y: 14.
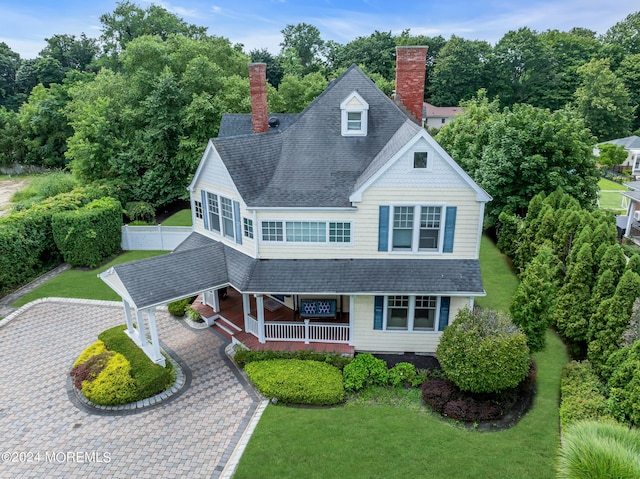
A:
x: 251, y: 326
x: 306, y: 331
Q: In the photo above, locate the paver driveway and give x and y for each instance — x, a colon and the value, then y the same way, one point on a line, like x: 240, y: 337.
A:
x: 192, y: 435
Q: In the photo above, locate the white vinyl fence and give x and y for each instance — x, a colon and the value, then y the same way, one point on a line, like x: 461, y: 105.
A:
x: 153, y: 237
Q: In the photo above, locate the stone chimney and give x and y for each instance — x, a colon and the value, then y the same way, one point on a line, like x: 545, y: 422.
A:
x: 258, y: 85
x: 411, y: 66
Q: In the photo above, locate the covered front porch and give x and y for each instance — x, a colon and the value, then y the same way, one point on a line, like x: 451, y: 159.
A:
x: 278, y: 322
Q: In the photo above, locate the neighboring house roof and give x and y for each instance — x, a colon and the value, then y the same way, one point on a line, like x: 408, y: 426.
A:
x: 234, y: 124
x: 432, y: 111
x: 181, y: 274
x: 309, y: 163
x: 634, y: 185
x: 629, y: 142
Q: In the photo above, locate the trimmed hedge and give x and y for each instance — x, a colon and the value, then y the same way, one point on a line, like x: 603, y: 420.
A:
x: 96, y: 348
x: 243, y: 356
x: 294, y: 381
x: 582, y: 394
x: 483, y: 352
x: 150, y: 378
x: 27, y: 246
x: 89, y: 235
x: 624, y: 385
x: 114, y: 385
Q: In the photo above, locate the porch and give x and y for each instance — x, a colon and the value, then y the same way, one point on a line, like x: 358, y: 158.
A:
x: 283, y: 328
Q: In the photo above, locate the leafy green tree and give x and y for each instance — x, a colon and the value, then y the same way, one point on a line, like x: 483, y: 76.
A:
x: 72, y: 53
x: 531, y: 307
x: 613, y: 260
x: 571, y: 312
x: 297, y: 93
x: 434, y: 44
x: 633, y: 264
x: 460, y: 71
x: 44, y: 126
x: 509, y: 232
x: 375, y: 52
x: 604, y: 289
x: 9, y: 64
x: 274, y: 69
x: 626, y: 34
x: 629, y: 73
x: 521, y: 67
x: 569, y: 226
x: 611, y: 155
x: 603, y: 101
x: 11, y: 144
x: 307, y: 44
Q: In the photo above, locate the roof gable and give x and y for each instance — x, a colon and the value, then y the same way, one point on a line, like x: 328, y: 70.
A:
x: 310, y: 164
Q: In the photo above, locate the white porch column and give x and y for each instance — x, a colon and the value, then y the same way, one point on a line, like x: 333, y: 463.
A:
x: 260, y: 310
x: 352, y: 317
x: 155, y: 355
x: 142, y: 330
x: 127, y: 315
x: 216, y: 301
x: 630, y: 214
x: 246, y: 310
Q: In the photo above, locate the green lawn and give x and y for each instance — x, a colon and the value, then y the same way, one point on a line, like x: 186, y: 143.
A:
x: 360, y: 441
x: 498, y: 277
x: 605, y: 184
x: 81, y: 283
x: 610, y: 195
x: 388, y: 442
x: 181, y: 218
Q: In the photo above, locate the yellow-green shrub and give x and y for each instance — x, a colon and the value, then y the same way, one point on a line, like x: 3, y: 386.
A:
x: 96, y: 348
x: 114, y: 385
x: 295, y: 381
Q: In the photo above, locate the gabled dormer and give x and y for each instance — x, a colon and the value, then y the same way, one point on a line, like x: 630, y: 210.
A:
x: 354, y: 111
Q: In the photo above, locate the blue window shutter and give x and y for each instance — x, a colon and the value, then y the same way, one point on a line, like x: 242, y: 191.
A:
x: 383, y: 229
x: 378, y: 309
x: 205, y: 209
x: 445, y: 304
x: 237, y: 222
x: 449, y: 229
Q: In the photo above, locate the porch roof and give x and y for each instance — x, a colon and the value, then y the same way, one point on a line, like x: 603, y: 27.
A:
x: 200, y: 264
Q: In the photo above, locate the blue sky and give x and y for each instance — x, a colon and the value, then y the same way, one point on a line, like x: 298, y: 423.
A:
x: 257, y: 23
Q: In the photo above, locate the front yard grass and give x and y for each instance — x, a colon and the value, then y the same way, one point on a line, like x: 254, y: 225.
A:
x: 498, y: 277
x: 83, y: 283
x: 383, y: 441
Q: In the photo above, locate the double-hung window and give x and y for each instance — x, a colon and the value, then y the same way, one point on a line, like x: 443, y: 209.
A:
x: 416, y: 228
x: 411, y: 313
x: 213, y: 207
x: 227, y: 217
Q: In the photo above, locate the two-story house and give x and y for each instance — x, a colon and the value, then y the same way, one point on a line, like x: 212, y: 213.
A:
x: 346, y: 224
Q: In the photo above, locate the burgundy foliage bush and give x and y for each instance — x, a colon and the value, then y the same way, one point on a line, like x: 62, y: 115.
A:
x: 89, y: 370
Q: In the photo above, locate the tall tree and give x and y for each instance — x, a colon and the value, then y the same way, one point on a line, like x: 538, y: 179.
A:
x: 9, y: 64
x: 72, y: 53
x: 307, y: 44
x: 603, y: 101
x: 375, y: 52
x: 274, y: 69
x: 626, y: 34
x: 629, y: 73
x: 460, y: 71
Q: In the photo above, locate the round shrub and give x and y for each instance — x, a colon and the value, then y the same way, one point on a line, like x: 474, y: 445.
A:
x: 178, y: 308
x: 365, y: 370
x: 599, y: 449
x: 483, y: 352
x: 140, y: 211
x: 294, y: 381
x: 114, y: 385
x: 404, y: 375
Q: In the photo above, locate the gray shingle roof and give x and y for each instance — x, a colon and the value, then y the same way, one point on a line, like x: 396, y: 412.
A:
x: 310, y: 163
x: 203, y: 264
x: 234, y: 124
x: 629, y: 142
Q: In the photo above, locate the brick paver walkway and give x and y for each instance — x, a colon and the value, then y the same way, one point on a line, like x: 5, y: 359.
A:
x: 192, y: 435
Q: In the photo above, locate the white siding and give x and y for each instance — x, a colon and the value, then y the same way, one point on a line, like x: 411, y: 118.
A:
x: 365, y: 338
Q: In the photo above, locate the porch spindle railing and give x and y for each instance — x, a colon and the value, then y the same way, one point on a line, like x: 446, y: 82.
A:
x: 306, y: 331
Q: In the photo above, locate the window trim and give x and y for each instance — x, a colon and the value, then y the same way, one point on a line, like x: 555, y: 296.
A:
x: 345, y: 109
x: 247, y: 227
x: 415, y: 238
x: 426, y: 160
x: 411, y: 315
x: 327, y: 230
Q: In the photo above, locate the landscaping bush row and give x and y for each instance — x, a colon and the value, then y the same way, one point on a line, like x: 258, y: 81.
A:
x: 244, y: 356
x: 114, y: 371
x: 88, y: 235
x: 582, y: 394
x: 27, y: 245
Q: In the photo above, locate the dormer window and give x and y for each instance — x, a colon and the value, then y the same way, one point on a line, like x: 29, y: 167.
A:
x: 419, y: 159
x: 354, y: 112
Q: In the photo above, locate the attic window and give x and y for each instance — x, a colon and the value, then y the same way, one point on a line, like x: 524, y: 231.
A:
x: 354, y: 115
x: 419, y: 159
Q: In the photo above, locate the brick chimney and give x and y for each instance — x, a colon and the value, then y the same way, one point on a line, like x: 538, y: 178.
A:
x: 411, y: 66
x: 258, y: 85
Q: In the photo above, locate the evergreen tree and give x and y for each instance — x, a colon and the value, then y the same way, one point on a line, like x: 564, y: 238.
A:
x: 533, y: 300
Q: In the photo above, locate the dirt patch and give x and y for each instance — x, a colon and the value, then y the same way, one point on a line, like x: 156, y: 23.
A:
x: 7, y: 188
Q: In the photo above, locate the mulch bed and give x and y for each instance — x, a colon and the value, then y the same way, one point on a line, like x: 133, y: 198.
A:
x: 483, y: 412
